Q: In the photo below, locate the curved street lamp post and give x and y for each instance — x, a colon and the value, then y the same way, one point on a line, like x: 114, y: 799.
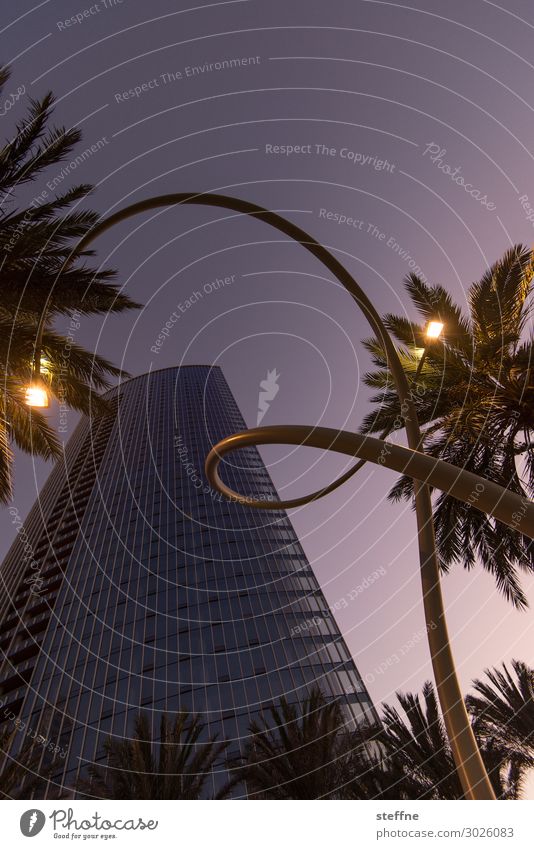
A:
x: 423, y: 469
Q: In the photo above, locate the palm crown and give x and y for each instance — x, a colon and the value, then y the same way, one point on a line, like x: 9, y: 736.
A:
x: 504, y: 707
x: 302, y: 751
x: 36, y: 240
x: 418, y: 755
x: 474, y: 396
x: 36, y: 273
x: 177, y: 765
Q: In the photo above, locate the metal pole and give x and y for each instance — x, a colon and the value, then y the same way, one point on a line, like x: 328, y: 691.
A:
x: 506, y: 506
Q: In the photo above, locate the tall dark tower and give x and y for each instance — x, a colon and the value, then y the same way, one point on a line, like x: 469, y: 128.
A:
x: 132, y: 585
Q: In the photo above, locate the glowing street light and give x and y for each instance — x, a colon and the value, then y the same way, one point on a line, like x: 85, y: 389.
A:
x: 434, y: 329
x: 36, y: 395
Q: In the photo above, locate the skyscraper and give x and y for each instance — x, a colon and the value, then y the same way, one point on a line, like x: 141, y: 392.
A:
x: 133, y: 585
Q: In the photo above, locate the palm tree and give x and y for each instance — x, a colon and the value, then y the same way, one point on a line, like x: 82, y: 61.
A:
x: 19, y: 775
x: 74, y: 378
x: 304, y: 752
x: 474, y: 395
x: 175, y: 766
x: 35, y: 272
x: 503, y: 708
x: 417, y: 755
x: 35, y: 241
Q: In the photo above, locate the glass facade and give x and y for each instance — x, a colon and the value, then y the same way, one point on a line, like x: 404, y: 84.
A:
x: 148, y: 590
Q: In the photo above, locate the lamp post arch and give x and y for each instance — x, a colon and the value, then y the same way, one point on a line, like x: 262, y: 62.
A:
x: 468, y: 761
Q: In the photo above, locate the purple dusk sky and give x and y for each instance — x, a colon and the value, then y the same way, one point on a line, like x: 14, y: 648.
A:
x: 342, y: 110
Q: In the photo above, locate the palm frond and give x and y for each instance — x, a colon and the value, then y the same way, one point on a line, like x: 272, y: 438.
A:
x: 177, y: 765
x: 474, y: 399
x: 503, y: 707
